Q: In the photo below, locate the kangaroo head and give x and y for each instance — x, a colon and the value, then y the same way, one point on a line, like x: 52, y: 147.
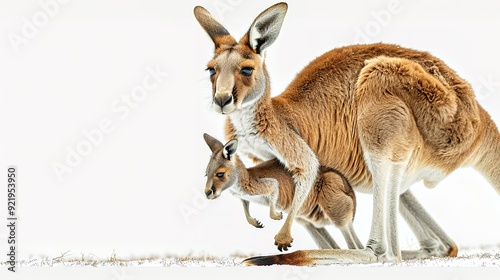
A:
x: 221, y: 170
x: 237, y: 69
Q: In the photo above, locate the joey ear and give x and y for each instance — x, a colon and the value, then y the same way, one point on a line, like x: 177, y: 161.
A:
x: 266, y: 27
x: 214, y: 29
x: 230, y: 149
x: 213, y: 143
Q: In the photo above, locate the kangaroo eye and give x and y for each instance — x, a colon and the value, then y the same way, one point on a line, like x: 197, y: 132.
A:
x: 211, y: 71
x: 219, y: 174
x: 246, y: 71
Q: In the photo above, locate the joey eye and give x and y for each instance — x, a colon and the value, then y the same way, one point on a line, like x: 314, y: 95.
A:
x: 219, y: 174
x: 211, y: 71
x: 246, y: 71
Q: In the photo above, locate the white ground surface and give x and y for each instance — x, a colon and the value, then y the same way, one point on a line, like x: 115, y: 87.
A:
x: 479, y: 263
x: 485, y: 257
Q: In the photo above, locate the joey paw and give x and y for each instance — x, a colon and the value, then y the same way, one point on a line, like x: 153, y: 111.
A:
x: 256, y: 223
x: 277, y: 215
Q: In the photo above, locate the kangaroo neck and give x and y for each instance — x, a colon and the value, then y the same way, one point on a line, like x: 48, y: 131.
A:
x: 254, y: 118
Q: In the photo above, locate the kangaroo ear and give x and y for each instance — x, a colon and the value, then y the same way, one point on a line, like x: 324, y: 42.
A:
x: 213, y: 143
x: 214, y: 29
x: 266, y: 27
x: 230, y: 149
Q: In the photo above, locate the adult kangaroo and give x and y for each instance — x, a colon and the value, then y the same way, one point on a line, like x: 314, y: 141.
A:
x: 382, y: 115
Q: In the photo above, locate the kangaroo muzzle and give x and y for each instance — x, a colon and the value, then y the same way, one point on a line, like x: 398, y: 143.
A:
x: 224, y: 103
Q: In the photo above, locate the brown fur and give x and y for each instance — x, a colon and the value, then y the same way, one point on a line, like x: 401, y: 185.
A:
x: 331, y: 199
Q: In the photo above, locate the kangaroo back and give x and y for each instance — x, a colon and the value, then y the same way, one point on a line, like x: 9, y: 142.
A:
x: 444, y: 108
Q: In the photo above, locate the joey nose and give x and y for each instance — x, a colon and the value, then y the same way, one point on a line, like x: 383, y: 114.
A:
x: 208, y: 193
x: 224, y: 100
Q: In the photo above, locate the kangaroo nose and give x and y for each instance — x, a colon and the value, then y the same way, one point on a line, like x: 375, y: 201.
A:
x: 224, y: 100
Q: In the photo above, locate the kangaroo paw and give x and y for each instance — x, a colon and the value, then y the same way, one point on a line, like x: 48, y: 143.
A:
x: 283, y: 241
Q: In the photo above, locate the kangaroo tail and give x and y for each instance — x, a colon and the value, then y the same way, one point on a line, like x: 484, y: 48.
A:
x: 314, y: 257
x: 295, y: 258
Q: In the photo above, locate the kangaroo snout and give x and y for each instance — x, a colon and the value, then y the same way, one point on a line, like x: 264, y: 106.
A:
x: 223, y: 100
x: 212, y: 193
x: 208, y: 193
x: 223, y: 103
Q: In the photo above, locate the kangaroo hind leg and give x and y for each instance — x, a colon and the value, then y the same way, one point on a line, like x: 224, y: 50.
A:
x: 434, y: 242
x: 350, y: 236
x: 488, y: 163
x: 388, y: 136
x: 321, y: 236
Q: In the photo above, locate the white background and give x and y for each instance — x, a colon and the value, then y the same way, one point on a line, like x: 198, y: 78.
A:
x: 139, y: 191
